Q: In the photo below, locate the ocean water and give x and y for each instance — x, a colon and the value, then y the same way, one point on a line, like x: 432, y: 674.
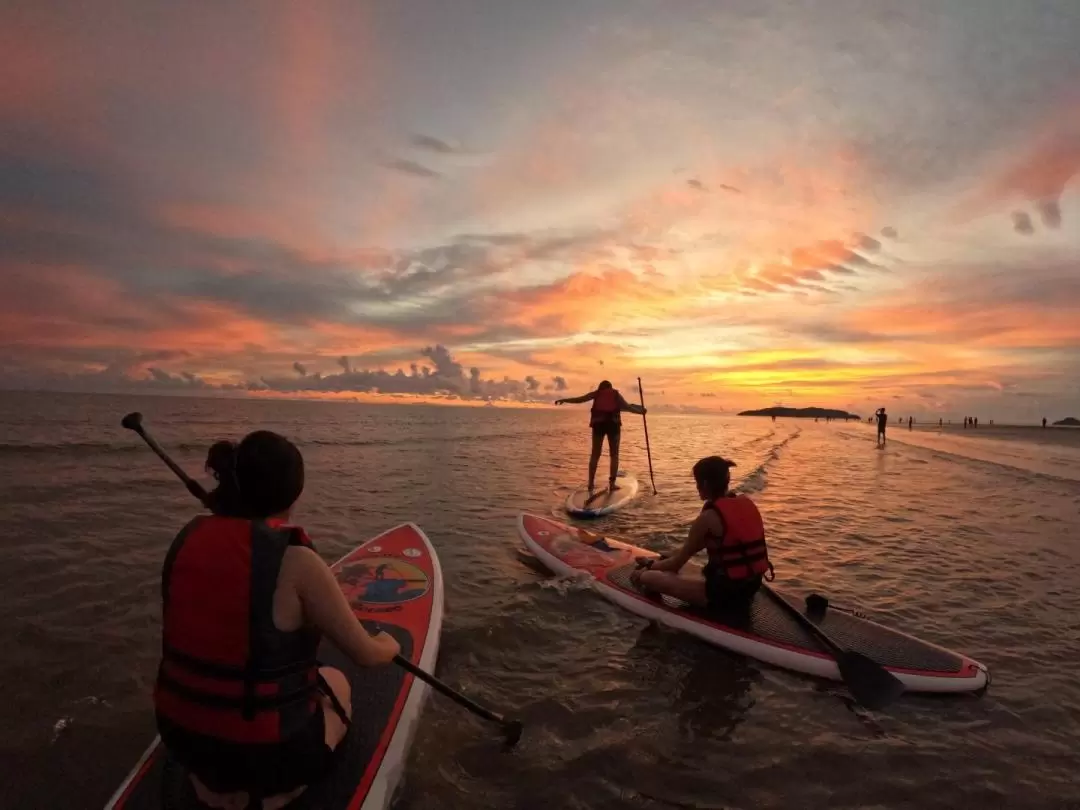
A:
x: 967, y: 539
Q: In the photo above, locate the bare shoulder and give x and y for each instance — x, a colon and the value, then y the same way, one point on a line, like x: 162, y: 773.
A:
x: 709, y: 519
x: 301, y: 562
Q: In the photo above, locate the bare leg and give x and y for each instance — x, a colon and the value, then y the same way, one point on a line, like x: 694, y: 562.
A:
x: 335, y: 728
x: 594, y: 459
x: 613, y: 454
x: 689, y: 589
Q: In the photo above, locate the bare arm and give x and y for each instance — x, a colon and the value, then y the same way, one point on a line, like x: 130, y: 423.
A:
x: 577, y: 400
x: 704, y: 524
x: 326, y: 607
x: 630, y: 406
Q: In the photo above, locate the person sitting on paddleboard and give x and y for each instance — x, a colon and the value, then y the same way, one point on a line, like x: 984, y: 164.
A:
x: 731, y: 530
x: 604, y: 419
x: 240, y: 699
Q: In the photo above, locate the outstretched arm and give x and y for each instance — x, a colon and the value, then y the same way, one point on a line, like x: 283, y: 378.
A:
x: 576, y: 400
x: 630, y: 406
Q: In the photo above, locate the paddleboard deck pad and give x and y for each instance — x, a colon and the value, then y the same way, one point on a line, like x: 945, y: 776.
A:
x: 765, y: 632
x: 395, y: 580
x: 584, y: 504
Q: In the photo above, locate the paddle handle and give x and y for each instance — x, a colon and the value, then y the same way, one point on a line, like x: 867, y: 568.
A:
x: 645, y: 423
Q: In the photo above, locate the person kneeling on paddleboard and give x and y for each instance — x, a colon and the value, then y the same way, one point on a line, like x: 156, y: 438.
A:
x: 731, y: 530
x: 604, y: 419
x: 240, y: 699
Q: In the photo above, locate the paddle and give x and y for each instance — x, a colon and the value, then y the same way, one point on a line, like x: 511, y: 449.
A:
x: 133, y: 421
x: 511, y: 728
x: 869, y: 682
x: 645, y: 422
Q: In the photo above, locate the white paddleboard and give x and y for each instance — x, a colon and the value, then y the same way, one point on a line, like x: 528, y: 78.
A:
x: 602, y: 501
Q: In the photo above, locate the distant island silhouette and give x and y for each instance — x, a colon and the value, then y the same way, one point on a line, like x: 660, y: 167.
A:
x: 1069, y: 421
x: 803, y: 413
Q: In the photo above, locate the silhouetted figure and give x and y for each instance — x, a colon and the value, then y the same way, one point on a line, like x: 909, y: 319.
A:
x: 882, y: 419
x: 1044, y: 421
x: 939, y: 423
x: 910, y: 422
x: 975, y: 422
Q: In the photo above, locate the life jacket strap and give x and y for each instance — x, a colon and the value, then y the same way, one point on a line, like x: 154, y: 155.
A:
x: 254, y: 702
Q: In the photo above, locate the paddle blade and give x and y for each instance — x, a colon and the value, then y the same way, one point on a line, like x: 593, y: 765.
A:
x: 133, y: 421
x: 512, y: 729
x: 870, y: 683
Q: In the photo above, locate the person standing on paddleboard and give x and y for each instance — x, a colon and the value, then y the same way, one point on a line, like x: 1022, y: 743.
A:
x: 240, y: 698
x: 730, y: 529
x: 604, y: 419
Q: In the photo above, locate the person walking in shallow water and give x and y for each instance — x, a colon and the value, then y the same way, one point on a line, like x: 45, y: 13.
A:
x: 882, y: 419
x: 604, y: 419
x: 1044, y: 421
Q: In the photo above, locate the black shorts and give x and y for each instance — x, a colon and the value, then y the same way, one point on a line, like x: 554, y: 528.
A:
x: 266, y: 769
x: 609, y: 429
x: 728, y: 594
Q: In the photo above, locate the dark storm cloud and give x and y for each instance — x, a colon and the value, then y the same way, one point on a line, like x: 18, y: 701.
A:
x: 559, y: 383
x: 1050, y: 211
x: 867, y: 242
x: 1022, y: 223
x: 432, y: 144
x: 411, y: 167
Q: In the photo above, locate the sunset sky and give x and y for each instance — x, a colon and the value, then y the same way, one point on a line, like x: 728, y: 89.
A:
x: 833, y: 202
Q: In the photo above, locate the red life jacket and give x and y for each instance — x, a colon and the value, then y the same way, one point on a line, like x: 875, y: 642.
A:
x: 741, y: 552
x: 226, y: 671
x: 605, y: 408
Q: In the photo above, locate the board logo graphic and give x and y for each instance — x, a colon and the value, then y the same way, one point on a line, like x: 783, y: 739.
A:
x: 411, y: 552
x: 383, y: 581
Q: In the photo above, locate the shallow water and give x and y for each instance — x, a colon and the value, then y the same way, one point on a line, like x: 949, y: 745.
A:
x: 974, y: 553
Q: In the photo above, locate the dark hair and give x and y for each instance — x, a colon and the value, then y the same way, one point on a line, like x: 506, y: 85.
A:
x: 260, y: 477
x: 604, y: 384
x: 713, y: 474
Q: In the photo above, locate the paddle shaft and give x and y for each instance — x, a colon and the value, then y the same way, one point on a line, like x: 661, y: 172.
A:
x: 457, y: 697
x: 645, y: 423
x: 193, y: 486
x: 511, y: 728
x: 808, y: 625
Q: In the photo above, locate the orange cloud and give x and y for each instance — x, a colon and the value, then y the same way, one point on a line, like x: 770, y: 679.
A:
x: 1039, y: 174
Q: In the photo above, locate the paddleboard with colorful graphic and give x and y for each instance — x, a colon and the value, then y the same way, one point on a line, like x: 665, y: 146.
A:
x: 393, y: 580
x: 582, y: 503
x: 767, y: 633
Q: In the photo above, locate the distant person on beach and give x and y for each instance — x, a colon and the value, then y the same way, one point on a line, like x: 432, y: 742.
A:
x: 975, y: 422
x: 910, y: 422
x: 604, y: 419
x: 940, y: 422
x: 882, y: 420
x: 730, y: 530
x: 240, y: 574
x: 1044, y: 421
x: 774, y: 417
